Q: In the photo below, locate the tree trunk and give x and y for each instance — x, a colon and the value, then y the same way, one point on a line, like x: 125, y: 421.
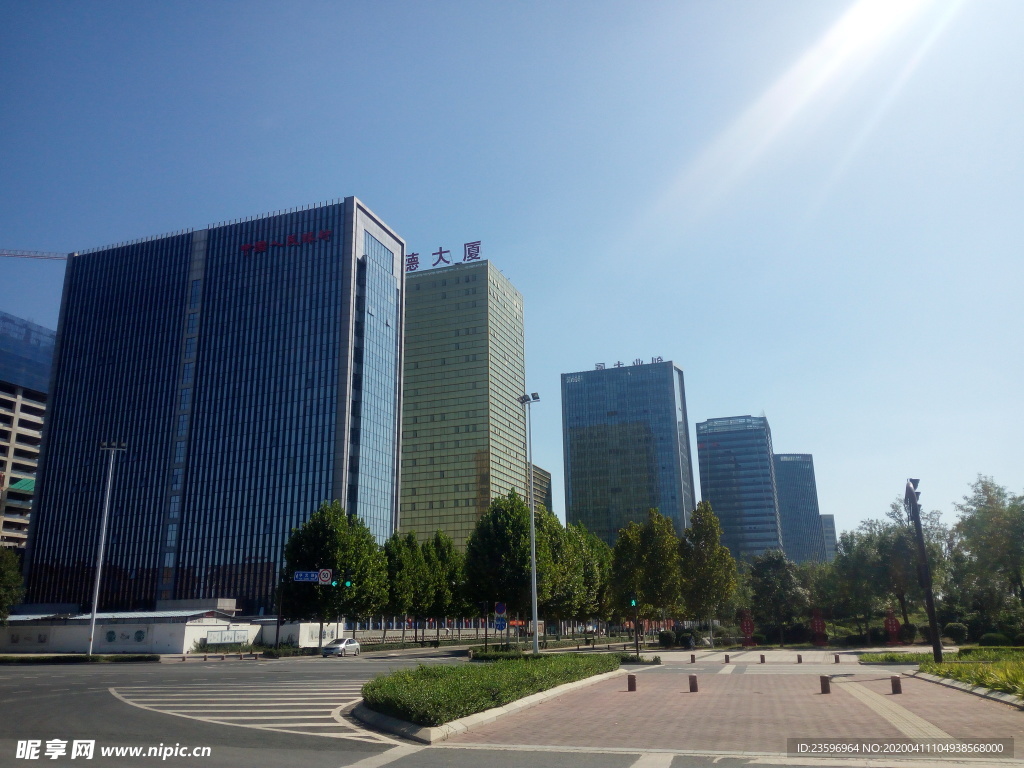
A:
x: 320, y: 639
x: 903, y: 608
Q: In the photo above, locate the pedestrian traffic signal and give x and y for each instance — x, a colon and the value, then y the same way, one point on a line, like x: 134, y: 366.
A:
x: 632, y: 602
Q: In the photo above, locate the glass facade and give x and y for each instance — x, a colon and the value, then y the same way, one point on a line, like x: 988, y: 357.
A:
x: 463, y: 429
x: 626, y: 442
x: 251, y: 368
x: 828, y: 528
x: 737, y: 476
x: 802, y: 537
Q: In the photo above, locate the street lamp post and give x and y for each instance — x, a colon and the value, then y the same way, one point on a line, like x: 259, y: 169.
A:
x: 113, y: 447
x: 911, y: 497
x: 527, y: 401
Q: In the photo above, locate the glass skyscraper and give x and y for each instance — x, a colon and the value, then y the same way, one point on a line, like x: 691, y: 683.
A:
x: 802, y: 537
x: 626, y: 443
x: 253, y: 368
x: 828, y: 527
x: 737, y: 476
x: 463, y: 431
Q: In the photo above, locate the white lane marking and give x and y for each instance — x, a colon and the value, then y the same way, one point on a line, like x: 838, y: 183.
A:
x: 728, y: 669
x: 397, y: 753
x: 654, y: 760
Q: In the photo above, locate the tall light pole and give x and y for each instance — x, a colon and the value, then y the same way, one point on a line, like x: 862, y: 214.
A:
x: 911, y: 497
x: 526, y: 401
x: 113, y: 448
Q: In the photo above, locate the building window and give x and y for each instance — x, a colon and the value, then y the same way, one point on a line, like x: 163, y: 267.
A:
x: 175, y: 507
x: 172, y: 534
x: 176, y: 477
x: 179, y: 452
x: 193, y: 322
x: 187, y: 372
x: 186, y: 399
x: 182, y: 424
x: 193, y: 301
x: 190, y: 348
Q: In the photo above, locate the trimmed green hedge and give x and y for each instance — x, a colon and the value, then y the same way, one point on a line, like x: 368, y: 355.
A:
x: 436, y: 695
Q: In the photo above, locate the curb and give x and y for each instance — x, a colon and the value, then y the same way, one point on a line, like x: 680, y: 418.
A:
x: 432, y: 735
x: 977, y: 690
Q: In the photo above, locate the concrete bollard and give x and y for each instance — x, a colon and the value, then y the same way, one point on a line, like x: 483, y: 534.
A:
x: 826, y: 684
x: 183, y: 658
x: 799, y: 658
x: 206, y: 657
x: 837, y: 658
x: 693, y: 683
x: 762, y: 658
x: 693, y: 658
x: 897, y: 684
x: 727, y: 658
x: 630, y: 682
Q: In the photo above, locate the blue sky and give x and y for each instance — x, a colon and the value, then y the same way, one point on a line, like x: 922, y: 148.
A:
x: 814, y: 208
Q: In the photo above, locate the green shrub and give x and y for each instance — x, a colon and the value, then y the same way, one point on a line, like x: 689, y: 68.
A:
x: 758, y: 638
x: 434, y: 695
x: 908, y: 632
x: 79, y: 659
x: 1019, y: 639
x: 956, y: 632
x: 993, y: 638
x: 1007, y: 676
x: 666, y: 638
x: 632, y: 658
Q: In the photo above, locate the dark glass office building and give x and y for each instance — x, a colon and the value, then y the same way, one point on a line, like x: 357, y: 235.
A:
x: 626, y: 442
x: 828, y: 527
x: 802, y: 538
x: 253, y: 368
x: 737, y: 476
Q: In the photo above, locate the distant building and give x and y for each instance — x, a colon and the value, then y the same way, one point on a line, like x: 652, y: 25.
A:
x: 802, y: 537
x: 463, y: 428
x: 828, y: 527
x: 26, y: 355
x: 542, y: 488
x: 737, y: 476
x: 253, y: 368
x: 626, y: 442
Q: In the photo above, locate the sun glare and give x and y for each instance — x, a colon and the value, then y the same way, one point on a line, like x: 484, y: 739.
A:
x: 828, y: 67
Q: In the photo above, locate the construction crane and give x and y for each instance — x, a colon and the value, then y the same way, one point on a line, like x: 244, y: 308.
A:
x: 34, y: 255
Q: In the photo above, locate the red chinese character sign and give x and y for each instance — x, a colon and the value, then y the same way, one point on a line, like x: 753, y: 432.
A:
x: 818, y: 636
x: 747, y: 628
x: 892, y: 626
x: 298, y: 239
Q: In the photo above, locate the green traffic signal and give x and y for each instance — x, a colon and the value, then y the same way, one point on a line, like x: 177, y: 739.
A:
x: 632, y: 603
x: 334, y: 583
x: 348, y: 584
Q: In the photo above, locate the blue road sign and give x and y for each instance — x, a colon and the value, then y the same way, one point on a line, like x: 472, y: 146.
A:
x: 499, y: 608
x: 307, y: 576
x: 500, y: 624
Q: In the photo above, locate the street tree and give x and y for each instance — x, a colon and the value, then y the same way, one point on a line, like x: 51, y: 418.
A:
x: 444, y: 564
x: 498, y: 555
x: 343, y: 543
x: 778, y: 594
x: 402, y: 578
x: 708, y: 570
x: 11, y: 585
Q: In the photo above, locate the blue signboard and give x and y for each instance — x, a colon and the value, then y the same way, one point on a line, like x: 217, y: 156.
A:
x: 500, y: 624
x: 307, y: 576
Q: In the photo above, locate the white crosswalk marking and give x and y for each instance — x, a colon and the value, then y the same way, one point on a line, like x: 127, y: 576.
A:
x: 313, y: 708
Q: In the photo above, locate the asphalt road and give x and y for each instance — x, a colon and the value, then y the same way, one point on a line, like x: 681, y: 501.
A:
x: 287, y: 712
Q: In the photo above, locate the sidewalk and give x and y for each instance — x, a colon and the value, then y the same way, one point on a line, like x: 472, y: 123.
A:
x: 751, y: 708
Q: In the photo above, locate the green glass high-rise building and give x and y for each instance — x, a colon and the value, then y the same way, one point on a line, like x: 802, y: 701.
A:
x: 463, y: 429
x: 626, y: 443
x: 803, y: 539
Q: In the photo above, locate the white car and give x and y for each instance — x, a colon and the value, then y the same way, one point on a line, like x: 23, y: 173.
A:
x: 341, y: 647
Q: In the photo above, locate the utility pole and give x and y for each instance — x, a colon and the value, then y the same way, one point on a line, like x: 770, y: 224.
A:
x: 911, y: 497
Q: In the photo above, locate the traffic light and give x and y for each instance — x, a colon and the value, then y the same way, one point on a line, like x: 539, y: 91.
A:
x: 334, y: 583
x: 632, y: 602
x: 348, y: 579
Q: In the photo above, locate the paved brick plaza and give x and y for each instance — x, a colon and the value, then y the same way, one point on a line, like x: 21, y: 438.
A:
x: 754, y: 709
